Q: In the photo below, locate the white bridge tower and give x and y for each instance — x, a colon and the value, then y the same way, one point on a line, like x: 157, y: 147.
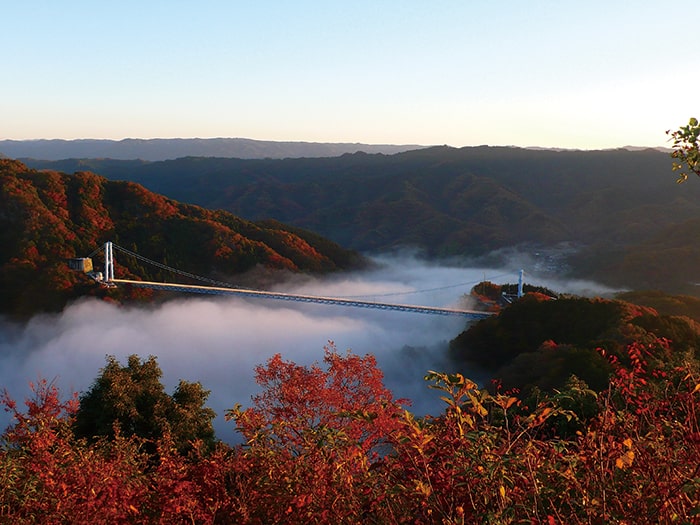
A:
x: 109, y: 263
x: 520, y: 283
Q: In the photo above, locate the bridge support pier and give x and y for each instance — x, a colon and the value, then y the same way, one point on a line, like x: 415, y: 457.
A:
x: 109, y: 262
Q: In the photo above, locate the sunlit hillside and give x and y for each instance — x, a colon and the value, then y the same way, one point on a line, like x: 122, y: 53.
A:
x: 48, y: 217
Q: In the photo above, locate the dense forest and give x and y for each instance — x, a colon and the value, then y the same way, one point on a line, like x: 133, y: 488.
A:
x: 48, y: 217
x: 541, y: 340
x: 615, y: 215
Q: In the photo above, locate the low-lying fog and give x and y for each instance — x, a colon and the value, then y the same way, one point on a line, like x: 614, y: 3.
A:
x: 219, y: 340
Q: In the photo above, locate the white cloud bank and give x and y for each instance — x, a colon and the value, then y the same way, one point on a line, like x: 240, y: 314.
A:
x: 219, y: 340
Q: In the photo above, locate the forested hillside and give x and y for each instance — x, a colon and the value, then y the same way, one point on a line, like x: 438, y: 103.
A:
x: 47, y: 217
x: 592, y: 416
x: 627, y: 221
x: 539, y: 342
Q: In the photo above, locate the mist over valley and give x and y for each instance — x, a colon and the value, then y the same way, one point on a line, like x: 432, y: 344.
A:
x: 219, y: 341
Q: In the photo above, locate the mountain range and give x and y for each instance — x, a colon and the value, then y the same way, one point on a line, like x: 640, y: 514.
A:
x: 163, y: 149
x: 615, y: 216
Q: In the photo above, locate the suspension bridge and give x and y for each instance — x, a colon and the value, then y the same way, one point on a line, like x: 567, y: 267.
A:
x: 213, y: 287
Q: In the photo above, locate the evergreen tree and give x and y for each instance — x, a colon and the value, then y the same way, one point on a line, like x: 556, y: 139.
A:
x: 132, y: 401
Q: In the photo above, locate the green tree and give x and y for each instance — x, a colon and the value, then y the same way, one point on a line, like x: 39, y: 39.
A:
x: 131, y: 401
x: 686, y: 149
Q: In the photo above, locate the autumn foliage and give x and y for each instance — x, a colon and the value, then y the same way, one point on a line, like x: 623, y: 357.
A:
x: 329, y: 444
x: 49, y: 216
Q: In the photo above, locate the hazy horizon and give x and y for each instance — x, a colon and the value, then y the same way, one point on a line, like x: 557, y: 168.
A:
x: 165, y: 149
x: 282, y: 141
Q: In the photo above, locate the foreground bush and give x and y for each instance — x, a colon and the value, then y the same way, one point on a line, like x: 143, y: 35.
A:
x: 331, y: 445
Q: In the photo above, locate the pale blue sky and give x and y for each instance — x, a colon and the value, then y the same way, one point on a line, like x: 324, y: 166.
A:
x: 593, y: 74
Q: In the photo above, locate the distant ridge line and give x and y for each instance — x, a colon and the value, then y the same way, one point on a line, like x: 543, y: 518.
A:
x: 167, y: 149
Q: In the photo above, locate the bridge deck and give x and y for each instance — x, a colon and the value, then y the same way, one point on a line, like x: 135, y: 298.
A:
x: 173, y: 287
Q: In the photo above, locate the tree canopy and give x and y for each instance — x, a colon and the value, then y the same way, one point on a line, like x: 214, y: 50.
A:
x: 131, y: 401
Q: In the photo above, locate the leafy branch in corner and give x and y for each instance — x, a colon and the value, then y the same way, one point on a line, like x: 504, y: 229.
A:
x: 686, y: 149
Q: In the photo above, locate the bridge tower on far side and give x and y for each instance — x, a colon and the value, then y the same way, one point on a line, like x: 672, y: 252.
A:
x: 520, y: 283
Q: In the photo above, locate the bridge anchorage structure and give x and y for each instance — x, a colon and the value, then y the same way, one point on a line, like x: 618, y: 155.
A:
x: 107, y: 278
